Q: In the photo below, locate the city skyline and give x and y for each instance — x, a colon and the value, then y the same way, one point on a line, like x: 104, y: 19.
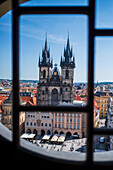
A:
x: 32, y: 39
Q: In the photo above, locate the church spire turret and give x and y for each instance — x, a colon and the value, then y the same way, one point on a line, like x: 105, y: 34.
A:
x: 68, y: 55
x: 45, y: 61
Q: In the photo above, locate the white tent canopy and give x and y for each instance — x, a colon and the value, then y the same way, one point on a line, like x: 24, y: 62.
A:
x: 54, y: 138
x: 28, y: 136
x: 61, y: 138
x: 46, y: 137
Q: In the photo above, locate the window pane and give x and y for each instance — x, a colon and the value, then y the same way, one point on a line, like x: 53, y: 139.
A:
x: 103, y: 147
x: 6, y: 75
x: 53, y: 60
x: 67, y: 137
x: 103, y: 76
x: 104, y: 12
x: 55, y: 2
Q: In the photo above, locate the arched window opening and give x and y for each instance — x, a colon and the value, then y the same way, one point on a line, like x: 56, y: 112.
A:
x: 44, y: 73
x: 67, y: 74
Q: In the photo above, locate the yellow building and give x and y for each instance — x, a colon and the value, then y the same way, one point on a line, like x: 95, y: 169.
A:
x: 102, y: 97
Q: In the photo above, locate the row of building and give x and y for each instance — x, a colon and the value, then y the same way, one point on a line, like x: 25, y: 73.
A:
x: 42, y: 123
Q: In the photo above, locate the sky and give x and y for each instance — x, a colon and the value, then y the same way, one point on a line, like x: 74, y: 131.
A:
x: 32, y: 34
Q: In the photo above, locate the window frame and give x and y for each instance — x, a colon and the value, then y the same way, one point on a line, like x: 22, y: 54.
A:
x: 85, y: 10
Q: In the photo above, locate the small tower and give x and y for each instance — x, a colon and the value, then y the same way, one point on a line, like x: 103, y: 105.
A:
x: 45, y: 65
x: 67, y: 64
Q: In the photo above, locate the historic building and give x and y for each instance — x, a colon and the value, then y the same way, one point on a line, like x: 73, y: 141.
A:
x: 7, y: 114
x: 39, y: 123
x: 70, y: 124
x: 56, y: 89
x: 53, y: 87
x: 102, y: 97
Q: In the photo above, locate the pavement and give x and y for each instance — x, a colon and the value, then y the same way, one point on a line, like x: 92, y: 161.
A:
x: 74, y: 145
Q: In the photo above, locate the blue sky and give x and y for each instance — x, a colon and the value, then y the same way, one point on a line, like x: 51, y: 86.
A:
x: 32, y: 36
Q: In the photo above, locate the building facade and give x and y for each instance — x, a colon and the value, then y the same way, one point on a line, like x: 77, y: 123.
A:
x: 7, y: 114
x: 70, y: 124
x: 102, y: 98
x: 54, y: 88
x: 39, y: 123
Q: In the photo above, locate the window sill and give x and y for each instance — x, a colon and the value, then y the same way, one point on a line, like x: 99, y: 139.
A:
x: 69, y: 157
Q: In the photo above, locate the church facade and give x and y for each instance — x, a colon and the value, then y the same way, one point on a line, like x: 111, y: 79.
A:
x: 53, y: 87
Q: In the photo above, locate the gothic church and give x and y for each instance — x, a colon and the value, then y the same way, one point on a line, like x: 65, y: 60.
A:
x: 54, y: 88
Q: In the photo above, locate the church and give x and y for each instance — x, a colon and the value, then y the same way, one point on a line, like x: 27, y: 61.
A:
x: 53, y: 87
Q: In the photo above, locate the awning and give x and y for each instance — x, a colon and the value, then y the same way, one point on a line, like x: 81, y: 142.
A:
x: 28, y: 136
x: 61, y: 138
x: 54, y: 138
x: 46, y: 137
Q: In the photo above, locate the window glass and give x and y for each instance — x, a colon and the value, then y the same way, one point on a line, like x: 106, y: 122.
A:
x: 55, y: 2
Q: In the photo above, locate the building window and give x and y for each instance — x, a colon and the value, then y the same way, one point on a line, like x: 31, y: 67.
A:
x: 44, y: 73
x: 67, y: 74
x: 42, y: 92
x: 74, y: 126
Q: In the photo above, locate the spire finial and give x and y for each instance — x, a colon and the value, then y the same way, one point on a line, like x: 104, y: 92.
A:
x: 46, y: 42
x: 46, y: 35
x: 68, y: 45
x: 68, y: 33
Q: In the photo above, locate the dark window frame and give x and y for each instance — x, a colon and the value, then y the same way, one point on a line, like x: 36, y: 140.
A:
x: 90, y: 12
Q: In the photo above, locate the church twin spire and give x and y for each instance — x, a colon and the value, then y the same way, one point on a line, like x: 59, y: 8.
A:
x: 67, y: 59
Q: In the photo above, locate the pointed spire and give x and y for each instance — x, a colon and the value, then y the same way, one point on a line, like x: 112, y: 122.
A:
x: 68, y: 45
x: 46, y: 42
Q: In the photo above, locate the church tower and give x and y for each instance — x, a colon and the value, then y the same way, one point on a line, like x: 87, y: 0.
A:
x: 67, y: 64
x: 45, y: 73
x: 45, y: 65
